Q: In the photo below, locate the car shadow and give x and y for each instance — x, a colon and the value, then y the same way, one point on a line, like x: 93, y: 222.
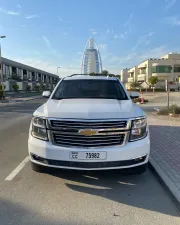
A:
x: 16, y: 213
x: 140, y: 191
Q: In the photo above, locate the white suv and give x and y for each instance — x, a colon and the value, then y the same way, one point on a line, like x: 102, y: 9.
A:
x: 89, y: 123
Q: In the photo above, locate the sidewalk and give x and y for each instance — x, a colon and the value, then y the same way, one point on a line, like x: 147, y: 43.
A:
x: 160, y: 99
x: 13, y: 100
x: 165, y: 151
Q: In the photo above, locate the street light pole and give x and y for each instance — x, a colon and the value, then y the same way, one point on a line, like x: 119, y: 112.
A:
x: 1, y: 67
x: 57, y: 69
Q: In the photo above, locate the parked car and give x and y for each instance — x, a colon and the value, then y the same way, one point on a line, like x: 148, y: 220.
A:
x: 89, y: 123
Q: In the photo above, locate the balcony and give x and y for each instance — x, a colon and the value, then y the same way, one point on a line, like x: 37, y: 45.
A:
x: 144, y: 66
x: 163, y: 76
x: 130, y: 79
x: 16, y: 77
x: 141, y: 77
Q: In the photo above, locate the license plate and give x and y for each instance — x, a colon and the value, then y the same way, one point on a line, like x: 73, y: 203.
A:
x: 88, y: 155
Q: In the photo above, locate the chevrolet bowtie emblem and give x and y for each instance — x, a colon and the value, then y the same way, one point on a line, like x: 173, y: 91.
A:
x: 88, y: 132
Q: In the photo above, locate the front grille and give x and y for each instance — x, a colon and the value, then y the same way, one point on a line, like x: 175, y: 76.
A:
x: 107, y: 133
x: 62, y: 124
x: 92, y: 141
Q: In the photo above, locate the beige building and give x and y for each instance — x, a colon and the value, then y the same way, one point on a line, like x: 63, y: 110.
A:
x: 133, y: 72
x: 23, y: 75
x: 165, y: 68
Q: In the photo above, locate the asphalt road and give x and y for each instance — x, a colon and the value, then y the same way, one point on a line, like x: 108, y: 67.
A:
x: 68, y: 197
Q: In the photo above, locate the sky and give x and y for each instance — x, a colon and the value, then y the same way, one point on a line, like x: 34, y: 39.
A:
x: 51, y: 34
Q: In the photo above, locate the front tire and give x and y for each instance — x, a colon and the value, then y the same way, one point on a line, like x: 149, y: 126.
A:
x: 37, y: 168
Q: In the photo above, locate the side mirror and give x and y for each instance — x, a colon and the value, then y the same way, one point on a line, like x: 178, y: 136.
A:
x: 46, y: 94
x: 134, y: 95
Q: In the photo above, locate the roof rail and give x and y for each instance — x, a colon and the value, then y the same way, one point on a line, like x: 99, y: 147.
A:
x: 113, y: 77
x: 77, y: 75
x: 89, y: 75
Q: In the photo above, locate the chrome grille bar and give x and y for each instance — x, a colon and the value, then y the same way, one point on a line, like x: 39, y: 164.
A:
x: 95, y: 137
x: 84, y: 143
x: 58, y: 124
x: 107, y: 133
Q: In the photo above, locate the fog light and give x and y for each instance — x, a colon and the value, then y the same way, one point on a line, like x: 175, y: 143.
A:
x: 140, y: 159
x: 39, y: 159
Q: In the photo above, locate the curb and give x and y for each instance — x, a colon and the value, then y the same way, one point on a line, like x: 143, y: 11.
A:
x: 11, y: 101
x: 166, y: 181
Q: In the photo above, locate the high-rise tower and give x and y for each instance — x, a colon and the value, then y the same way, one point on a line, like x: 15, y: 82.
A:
x: 91, y: 60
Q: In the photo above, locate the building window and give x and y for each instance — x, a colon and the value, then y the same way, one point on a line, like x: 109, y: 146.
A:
x: 161, y: 69
x: 143, y: 71
x: 18, y: 72
x: 177, y: 69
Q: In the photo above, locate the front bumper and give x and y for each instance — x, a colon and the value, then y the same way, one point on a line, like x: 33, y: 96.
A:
x: 130, y: 155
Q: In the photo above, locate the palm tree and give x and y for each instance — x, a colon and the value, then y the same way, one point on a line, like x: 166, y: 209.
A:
x: 135, y: 85
x: 153, y: 81
x: 105, y: 72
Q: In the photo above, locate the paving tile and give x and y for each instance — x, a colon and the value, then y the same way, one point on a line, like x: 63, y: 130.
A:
x: 165, y: 148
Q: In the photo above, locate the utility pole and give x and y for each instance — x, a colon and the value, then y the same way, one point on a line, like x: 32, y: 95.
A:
x: 167, y: 87
x: 1, y: 67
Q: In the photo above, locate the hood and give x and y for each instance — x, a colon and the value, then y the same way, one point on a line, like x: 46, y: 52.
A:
x: 89, y: 109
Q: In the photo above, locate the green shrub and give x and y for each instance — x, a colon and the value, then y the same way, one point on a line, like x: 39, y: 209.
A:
x: 174, y: 109
x: 1, y: 91
x: 37, y: 87
x: 43, y: 87
x: 28, y: 88
x: 47, y: 86
x: 163, y: 111
x: 15, y: 87
x: 1, y: 94
x: 1, y: 86
x: 153, y: 80
x: 135, y: 100
x: 146, y: 90
x: 17, y: 78
x: 135, y: 85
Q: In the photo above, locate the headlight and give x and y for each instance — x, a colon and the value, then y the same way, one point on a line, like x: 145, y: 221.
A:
x: 39, y: 122
x: 39, y: 128
x: 139, y: 129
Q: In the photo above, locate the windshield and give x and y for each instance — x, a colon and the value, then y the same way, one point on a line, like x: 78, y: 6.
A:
x: 106, y: 89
